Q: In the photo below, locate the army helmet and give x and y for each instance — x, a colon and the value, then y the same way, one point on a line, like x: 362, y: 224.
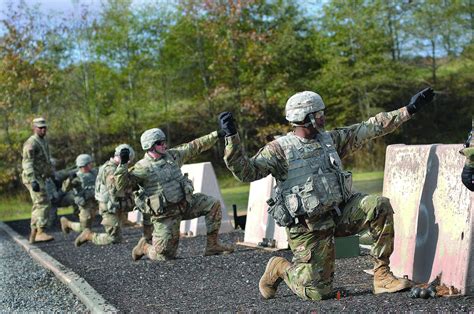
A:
x: 150, y: 137
x: 301, y: 104
x: 122, y: 146
x: 83, y: 160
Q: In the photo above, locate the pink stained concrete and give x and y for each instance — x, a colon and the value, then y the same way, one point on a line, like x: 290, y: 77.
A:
x: 433, y: 214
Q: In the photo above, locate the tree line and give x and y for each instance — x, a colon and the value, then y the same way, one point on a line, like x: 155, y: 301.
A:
x: 102, y: 77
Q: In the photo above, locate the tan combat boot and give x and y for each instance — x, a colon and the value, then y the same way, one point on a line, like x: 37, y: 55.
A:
x: 385, y: 281
x: 65, y: 225
x: 140, y: 249
x: 42, y: 236
x: 32, y: 235
x: 148, y: 232
x: 85, y: 236
x: 213, y: 247
x: 273, y: 275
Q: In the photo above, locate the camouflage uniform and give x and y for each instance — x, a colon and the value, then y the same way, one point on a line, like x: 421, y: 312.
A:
x: 83, y: 188
x: 340, y: 211
x: 112, y: 205
x: 37, y: 167
x: 167, y: 195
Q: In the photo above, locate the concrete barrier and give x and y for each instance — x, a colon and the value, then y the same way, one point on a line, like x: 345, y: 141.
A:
x: 259, y: 224
x: 204, y: 181
x: 433, y: 214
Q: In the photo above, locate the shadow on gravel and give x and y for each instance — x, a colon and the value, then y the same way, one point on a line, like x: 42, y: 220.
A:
x: 217, y: 283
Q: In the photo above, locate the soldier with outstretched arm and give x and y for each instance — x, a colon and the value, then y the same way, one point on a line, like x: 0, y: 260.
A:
x: 314, y: 199
x: 166, y: 194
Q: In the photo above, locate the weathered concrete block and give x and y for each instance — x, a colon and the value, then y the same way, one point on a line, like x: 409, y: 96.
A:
x: 433, y: 214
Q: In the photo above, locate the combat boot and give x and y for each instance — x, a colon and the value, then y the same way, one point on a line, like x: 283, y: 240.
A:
x: 42, y: 236
x: 32, y: 235
x: 148, y: 232
x: 385, y: 281
x: 65, y: 225
x: 140, y: 249
x: 213, y: 247
x: 273, y: 275
x: 85, y: 236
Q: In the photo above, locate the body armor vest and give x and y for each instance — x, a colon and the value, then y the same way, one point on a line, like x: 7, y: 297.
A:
x: 87, y: 184
x: 316, y: 182
x: 120, y: 200
x: 165, y: 184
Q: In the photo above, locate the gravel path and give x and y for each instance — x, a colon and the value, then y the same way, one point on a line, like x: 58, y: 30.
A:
x: 218, y: 283
x: 25, y: 286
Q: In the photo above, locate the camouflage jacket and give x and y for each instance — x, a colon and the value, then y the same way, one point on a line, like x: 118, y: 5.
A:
x: 137, y: 175
x: 106, y: 180
x: 82, y: 186
x: 271, y: 158
x: 36, y: 162
x: 469, y: 153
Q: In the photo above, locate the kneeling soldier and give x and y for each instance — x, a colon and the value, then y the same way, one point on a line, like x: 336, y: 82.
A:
x: 82, y: 183
x: 167, y: 195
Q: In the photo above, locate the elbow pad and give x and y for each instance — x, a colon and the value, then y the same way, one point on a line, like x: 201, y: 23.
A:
x: 467, y: 177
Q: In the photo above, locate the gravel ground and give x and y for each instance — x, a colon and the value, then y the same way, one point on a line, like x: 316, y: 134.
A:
x: 26, y: 286
x: 218, y: 283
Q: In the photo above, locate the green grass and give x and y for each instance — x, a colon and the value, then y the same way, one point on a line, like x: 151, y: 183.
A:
x: 15, y: 208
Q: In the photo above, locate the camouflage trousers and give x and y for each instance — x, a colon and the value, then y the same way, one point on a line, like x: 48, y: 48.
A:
x: 41, y: 206
x: 87, y: 215
x: 312, y: 272
x: 112, y: 225
x: 166, y: 227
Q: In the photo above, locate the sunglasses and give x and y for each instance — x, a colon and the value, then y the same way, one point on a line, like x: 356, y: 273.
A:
x: 41, y: 127
x: 160, y: 143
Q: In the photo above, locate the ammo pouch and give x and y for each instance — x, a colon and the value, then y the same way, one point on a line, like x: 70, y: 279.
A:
x: 79, y: 200
x: 156, y: 204
x: 139, y: 198
x: 112, y: 206
x: 187, y: 186
x: 279, y: 212
x: 345, y: 179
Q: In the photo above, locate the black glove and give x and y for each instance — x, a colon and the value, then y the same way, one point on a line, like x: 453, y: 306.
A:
x: 72, y: 175
x: 124, y: 156
x: 227, y: 123
x: 35, y: 186
x: 420, y: 99
x: 57, y: 182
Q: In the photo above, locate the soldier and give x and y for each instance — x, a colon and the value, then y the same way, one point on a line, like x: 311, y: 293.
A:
x: 37, y: 168
x: 467, y: 175
x: 82, y: 183
x: 167, y: 195
x: 57, y: 196
x: 112, y: 204
x: 313, y: 195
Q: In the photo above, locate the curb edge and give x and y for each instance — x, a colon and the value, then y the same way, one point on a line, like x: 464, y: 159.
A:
x: 78, y: 285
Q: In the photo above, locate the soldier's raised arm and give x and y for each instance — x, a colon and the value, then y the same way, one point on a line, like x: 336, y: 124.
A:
x: 124, y: 177
x: 351, y: 138
x: 185, y: 152
x: 268, y: 160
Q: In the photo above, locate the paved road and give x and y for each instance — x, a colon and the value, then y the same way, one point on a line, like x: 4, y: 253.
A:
x: 25, y: 286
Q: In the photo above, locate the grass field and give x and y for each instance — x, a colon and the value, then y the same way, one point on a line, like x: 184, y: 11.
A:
x: 233, y: 192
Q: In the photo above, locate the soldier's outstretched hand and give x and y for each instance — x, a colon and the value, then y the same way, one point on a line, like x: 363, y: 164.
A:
x: 227, y: 123
x: 420, y: 99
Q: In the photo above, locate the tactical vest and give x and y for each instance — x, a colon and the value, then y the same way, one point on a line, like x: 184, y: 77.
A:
x: 165, y: 184
x: 113, y: 202
x: 316, y: 182
x: 87, y: 184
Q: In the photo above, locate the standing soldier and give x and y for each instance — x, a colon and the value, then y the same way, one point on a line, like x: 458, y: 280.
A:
x: 37, y: 168
x: 167, y: 195
x: 82, y: 183
x: 313, y: 195
x: 112, y: 204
